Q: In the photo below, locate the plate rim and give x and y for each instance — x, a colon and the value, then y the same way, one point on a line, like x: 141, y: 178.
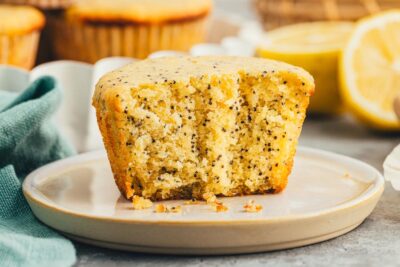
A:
x: 375, y: 190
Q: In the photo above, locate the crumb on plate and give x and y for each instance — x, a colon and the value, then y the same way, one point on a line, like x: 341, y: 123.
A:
x: 219, y: 206
x: 140, y: 203
x: 161, y: 208
x: 252, y: 207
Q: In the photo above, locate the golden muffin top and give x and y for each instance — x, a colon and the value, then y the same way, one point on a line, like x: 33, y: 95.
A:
x: 182, y: 69
x: 139, y: 11
x: 20, y: 19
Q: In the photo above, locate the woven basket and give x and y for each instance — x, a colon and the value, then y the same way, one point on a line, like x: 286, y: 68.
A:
x: 276, y: 13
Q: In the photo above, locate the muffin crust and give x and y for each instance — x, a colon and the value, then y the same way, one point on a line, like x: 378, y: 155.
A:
x: 139, y: 11
x: 17, y: 20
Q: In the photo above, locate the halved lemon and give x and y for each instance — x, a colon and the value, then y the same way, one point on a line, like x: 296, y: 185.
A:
x: 316, y: 47
x: 370, y: 70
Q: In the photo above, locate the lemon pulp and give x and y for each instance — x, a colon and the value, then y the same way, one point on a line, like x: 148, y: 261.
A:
x: 370, y: 70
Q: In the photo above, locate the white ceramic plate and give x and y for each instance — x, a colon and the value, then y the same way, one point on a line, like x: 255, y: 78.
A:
x: 328, y: 195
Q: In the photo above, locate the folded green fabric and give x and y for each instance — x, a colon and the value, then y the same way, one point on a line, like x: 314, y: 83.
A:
x: 28, y: 140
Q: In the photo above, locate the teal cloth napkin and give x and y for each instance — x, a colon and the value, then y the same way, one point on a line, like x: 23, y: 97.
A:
x: 28, y: 140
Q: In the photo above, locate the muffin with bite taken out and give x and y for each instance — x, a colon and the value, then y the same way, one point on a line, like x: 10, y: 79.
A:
x: 190, y: 127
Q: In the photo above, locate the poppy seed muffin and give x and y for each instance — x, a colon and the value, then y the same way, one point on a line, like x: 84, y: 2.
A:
x: 20, y: 28
x: 45, y: 5
x: 179, y: 128
x: 94, y: 29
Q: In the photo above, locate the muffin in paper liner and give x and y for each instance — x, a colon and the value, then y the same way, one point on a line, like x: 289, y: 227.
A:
x: 93, y: 29
x: 19, y: 50
x: 90, y: 42
x: 42, y: 4
x: 20, y: 28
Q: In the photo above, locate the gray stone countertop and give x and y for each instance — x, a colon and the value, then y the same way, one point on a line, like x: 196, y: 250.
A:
x: 375, y: 242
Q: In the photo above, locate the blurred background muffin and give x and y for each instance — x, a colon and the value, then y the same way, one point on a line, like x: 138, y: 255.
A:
x: 52, y: 10
x: 94, y: 29
x: 41, y: 4
x: 20, y: 28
